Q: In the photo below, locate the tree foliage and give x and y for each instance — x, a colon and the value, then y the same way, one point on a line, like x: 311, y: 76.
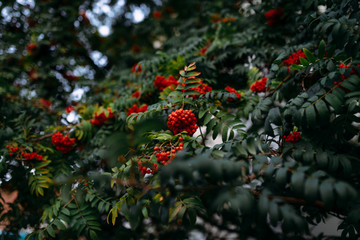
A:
x: 275, y: 83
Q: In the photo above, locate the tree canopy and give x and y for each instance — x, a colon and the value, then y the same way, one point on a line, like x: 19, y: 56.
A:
x: 223, y: 119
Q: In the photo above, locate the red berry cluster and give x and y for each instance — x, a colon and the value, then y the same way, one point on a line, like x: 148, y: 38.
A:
x: 343, y: 77
x: 204, y: 50
x: 149, y: 169
x: 164, y: 155
x: 45, y: 103
x: 136, y: 68
x: 34, y: 75
x: 136, y: 109
x: 62, y: 143
x: 27, y: 156
x: 274, y: 17
x: 202, y: 89
x: 294, y: 59
x: 71, y: 77
x: 135, y: 48
x: 182, y: 120
x: 161, y: 82
x: 292, y: 137
x: 136, y: 94
x: 69, y: 109
x: 259, y: 86
x: 33, y: 156
x: 99, y: 119
x: 12, y: 149
x: 232, y: 90
x: 215, y: 18
x: 31, y: 47
x: 157, y: 14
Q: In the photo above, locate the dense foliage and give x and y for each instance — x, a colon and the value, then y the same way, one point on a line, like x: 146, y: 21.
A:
x: 274, y: 83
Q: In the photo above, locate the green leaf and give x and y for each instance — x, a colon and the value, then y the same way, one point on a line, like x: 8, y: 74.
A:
x: 216, y: 130
x: 145, y: 212
x: 202, y: 113
x: 192, y: 74
x: 274, y: 116
x: 310, y: 57
x: 93, y: 235
x: 274, y: 213
x: 175, y: 211
x: 240, y: 151
x: 211, y: 125
x: 323, y: 111
x: 327, y: 194
x: 308, y: 156
x: 281, y: 176
x: 310, y: 116
x: 311, y: 189
x: 59, y: 224
x: 50, y: 231
x: 65, y: 211
x: 321, y: 52
x: 322, y: 159
x: 207, y: 118
x: 297, y: 181
x: 250, y: 145
x: 304, y: 62
x: 224, y: 134
x: 334, y: 102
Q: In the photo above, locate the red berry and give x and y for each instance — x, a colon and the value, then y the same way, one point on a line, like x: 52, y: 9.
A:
x: 181, y: 120
x: 181, y: 139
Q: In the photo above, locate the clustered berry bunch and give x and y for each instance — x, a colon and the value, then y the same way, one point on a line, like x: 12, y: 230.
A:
x: 31, y: 47
x: 161, y: 82
x: 274, y: 17
x: 136, y: 94
x: 136, y: 109
x: 136, y: 68
x: 204, y: 50
x: 33, y: 156
x: 259, y: 86
x: 34, y: 75
x: 182, y: 120
x: 149, y: 169
x: 99, y: 119
x: 292, y: 137
x: 45, y: 103
x: 62, y: 143
x: 27, y: 156
x: 343, y: 77
x: 12, y: 149
x: 166, y: 154
x: 216, y: 19
x: 69, y: 109
x: 71, y: 77
x: 157, y: 14
x: 232, y: 90
x: 202, y: 89
x: 294, y: 59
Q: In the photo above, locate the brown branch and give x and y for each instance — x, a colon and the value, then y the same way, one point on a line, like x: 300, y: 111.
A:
x: 278, y: 86
x: 42, y: 137
x: 292, y: 200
